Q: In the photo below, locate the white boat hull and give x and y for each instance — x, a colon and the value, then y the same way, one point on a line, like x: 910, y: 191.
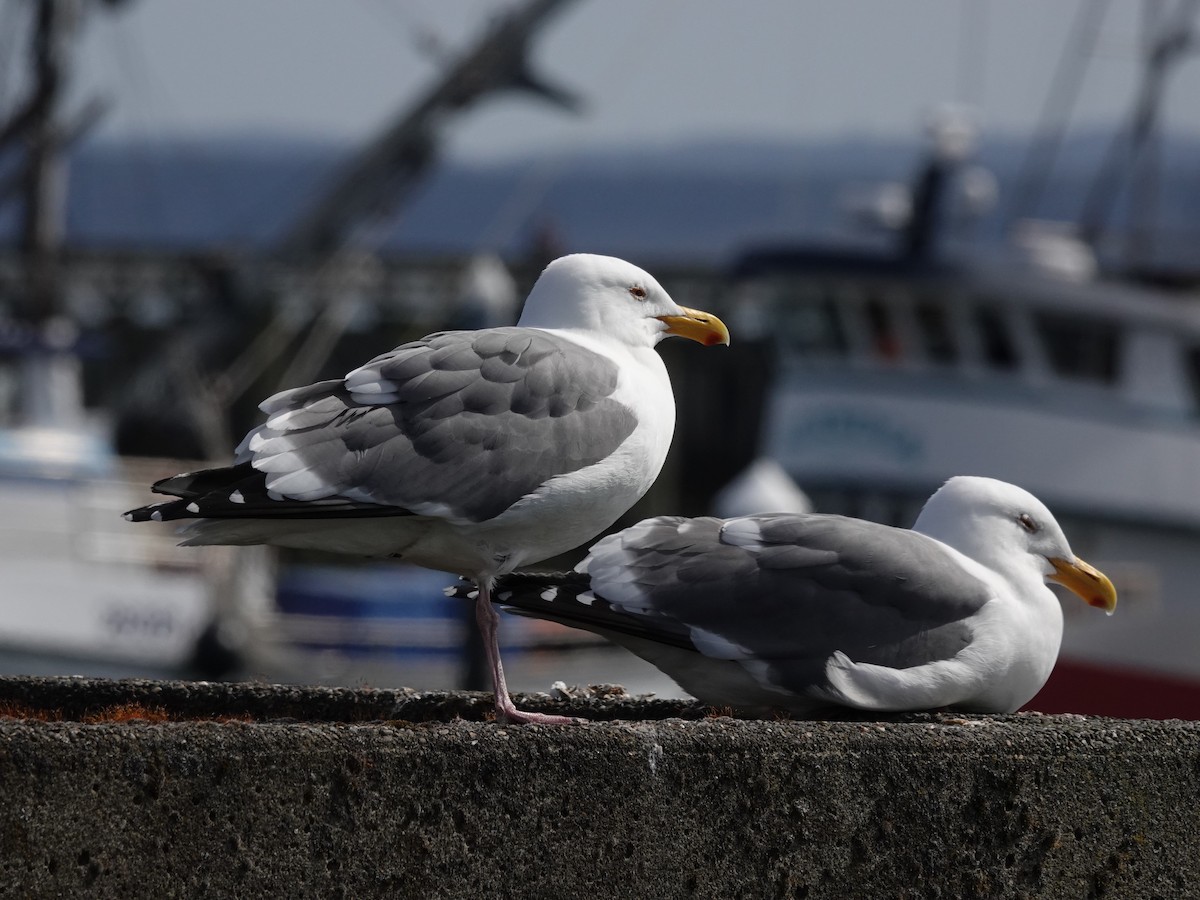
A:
x: 1127, y: 490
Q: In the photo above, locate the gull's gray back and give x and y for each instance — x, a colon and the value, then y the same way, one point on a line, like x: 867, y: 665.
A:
x: 459, y: 423
x: 789, y: 590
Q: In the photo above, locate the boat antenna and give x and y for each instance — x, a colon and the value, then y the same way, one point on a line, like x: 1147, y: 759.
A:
x: 39, y: 182
x: 1166, y: 46
x: 379, y: 178
x: 1056, y: 111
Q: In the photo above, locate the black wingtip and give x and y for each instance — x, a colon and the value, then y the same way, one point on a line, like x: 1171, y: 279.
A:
x: 567, y: 598
x: 463, y: 589
x: 151, y: 513
x: 520, y: 589
x: 203, y: 481
x: 162, y: 512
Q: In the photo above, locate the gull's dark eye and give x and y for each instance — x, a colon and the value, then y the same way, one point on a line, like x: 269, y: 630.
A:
x: 1027, y: 523
x: 638, y: 292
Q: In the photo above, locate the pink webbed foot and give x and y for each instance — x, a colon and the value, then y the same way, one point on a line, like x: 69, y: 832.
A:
x: 506, y: 711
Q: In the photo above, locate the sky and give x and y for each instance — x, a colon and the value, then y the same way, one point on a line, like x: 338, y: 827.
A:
x: 651, y: 71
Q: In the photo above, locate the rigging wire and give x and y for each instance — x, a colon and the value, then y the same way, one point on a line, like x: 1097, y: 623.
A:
x: 306, y: 181
x: 1030, y: 183
x: 134, y: 71
x: 12, y: 33
x: 411, y: 26
x: 974, y: 21
x: 1147, y: 170
x: 1162, y: 48
x: 531, y: 189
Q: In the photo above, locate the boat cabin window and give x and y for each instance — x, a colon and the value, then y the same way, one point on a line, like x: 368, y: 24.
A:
x: 1193, y: 374
x: 9, y: 394
x: 885, y: 339
x: 810, y: 323
x: 937, y: 332
x: 995, y: 338
x: 1079, y: 347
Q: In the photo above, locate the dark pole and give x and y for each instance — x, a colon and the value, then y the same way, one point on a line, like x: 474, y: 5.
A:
x: 44, y: 185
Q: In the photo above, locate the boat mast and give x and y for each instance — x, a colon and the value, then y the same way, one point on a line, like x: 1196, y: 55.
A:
x: 1169, y: 39
x: 378, y: 179
x: 40, y: 183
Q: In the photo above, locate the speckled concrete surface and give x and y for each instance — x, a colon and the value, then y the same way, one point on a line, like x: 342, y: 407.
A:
x: 293, y: 792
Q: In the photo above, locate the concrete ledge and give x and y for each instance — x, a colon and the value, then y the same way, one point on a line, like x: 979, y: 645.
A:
x: 657, y: 801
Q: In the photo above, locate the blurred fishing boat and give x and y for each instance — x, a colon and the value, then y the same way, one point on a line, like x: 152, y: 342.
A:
x: 869, y: 372
x: 75, y: 588
x: 200, y: 335
x: 902, y: 366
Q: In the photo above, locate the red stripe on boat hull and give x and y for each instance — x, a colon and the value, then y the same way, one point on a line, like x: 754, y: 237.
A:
x: 1089, y: 689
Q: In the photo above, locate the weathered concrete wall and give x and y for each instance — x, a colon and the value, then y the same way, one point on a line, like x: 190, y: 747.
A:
x: 309, y: 798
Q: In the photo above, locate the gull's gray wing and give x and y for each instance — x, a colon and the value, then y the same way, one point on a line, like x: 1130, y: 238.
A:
x: 459, y: 424
x: 787, y: 591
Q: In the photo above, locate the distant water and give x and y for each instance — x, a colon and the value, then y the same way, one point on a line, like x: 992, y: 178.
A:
x: 698, y: 200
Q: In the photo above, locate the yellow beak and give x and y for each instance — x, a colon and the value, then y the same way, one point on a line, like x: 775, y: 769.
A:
x: 697, y: 326
x: 1089, y: 584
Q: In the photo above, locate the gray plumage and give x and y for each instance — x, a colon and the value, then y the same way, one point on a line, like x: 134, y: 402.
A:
x: 459, y: 423
x: 800, y: 611
x: 818, y: 580
x: 782, y: 591
x: 471, y: 451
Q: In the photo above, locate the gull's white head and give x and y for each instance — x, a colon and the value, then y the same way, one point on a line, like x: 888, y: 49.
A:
x: 611, y: 297
x: 1007, y: 529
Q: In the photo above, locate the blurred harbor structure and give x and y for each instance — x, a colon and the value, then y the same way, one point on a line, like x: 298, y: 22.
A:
x: 120, y: 600
x: 109, y: 357
x: 868, y: 373
x: 1044, y: 364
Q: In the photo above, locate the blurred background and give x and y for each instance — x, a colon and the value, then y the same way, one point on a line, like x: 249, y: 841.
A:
x: 948, y: 238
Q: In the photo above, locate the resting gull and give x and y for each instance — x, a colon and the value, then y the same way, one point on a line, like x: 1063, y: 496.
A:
x: 474, y: 452
x: 805, y: 611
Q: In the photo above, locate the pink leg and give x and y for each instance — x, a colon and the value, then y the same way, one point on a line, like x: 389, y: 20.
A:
x: 506, y: 711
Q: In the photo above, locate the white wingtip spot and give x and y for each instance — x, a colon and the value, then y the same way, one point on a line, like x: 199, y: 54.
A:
x: 193, y: 507
x: 449, y: 591
x: 156, y: 515
x: 587, y: 598
x: 549, y: 594
x: 472, y: 595
x: 128, y: 517
x: 744, y: 532
x: 236, y: 497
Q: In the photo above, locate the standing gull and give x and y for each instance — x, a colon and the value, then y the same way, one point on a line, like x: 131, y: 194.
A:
x: 799, y: 612
x: 474, y: 452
